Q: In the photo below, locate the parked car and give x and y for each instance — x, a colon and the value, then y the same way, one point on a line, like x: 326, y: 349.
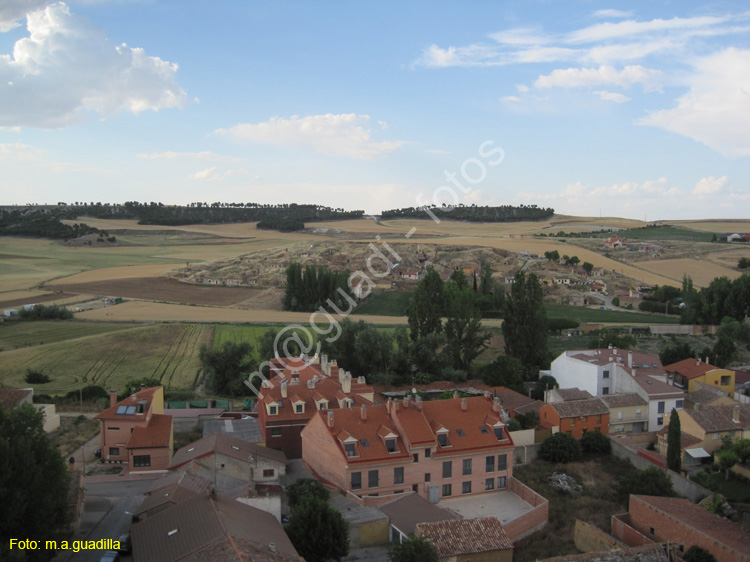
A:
x: 125, y: 544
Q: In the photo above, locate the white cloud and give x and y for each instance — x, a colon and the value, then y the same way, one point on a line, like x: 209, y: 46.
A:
x: 335, y: 135
x: 608, y: 30
x: 612, y: 14
x: 709, y: 185
x: 215, y: 174
x: 67, y: 67
x: 521, y: 36
x: 204, y: 155
x: 522, y: 88
x: 716, y: 110
x: 612, y: 96
x: 576, y: 77
x: 510, y: 98
x: 11, y: 11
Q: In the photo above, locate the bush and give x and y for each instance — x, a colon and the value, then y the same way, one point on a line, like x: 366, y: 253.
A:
x: 595, y: 442
x: 650, y: 482
x: 561, y: 447
x: 558, y: 324
x: 698, y: 554
x: 35, y: 377
x: 88, y: 393
x: 305, y: 488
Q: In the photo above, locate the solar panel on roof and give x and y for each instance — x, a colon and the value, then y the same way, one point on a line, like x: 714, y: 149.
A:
x: 121, y: 409
x: 130, y: 410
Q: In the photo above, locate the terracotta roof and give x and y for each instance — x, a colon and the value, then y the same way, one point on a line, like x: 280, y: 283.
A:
x: 325, y: 387
x: 226, y: 445
x: 719, y: 418
x: 416, y: 427
x: 573, y: 394
x: 686, y: 440
x: 643, y: 363
x: 515, y: 401
x: 705, y: 395
x: 580, y: 408
x: 410, y: 509
x: 204, y: 528
x: 701, y: 520
x: 156, y: 433
x: 690, y: 368
x: 144, y: 395
x: 623, y: 400
x: 456, y: 537
x: 13, y: 396
x: 741, y: 377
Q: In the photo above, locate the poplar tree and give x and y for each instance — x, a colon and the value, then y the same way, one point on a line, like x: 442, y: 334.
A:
x: 674, y: 442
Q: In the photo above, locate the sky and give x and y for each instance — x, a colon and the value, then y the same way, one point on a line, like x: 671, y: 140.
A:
x: 630, y: 109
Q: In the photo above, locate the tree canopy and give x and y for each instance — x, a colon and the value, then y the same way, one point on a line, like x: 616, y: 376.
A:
x: 318, y: 531
x: 525, y: 324
x: 34, y: 484
x: 227, y: 367
x: 674, y: 442
x: 650, y: 482
x: 413, y: 549
x: 560, y: 447
x: 303, y: 489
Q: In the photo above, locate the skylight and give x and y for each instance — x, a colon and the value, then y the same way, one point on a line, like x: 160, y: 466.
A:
x: 172, y: 532
x: 364, y: 443
x: 483, y: 429
x: 460, y: 433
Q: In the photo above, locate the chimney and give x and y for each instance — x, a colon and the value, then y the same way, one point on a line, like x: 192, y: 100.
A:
x: 464, y: 404
x: 346, y: 383
x: 330, y: 418
x: 283, y: 389
x: 295, y: 377
x: 112, y: 397
x: 272, y: 546
x: 736, y: 413
x: 406, y: 402
x: 496, y: 405
x: 418, y: 400
x: 363, y: 413
x: 394, y: 408
x: 324, y: 364
x: 455, y: 394
x: 707, y: 360
x: 630, y: 358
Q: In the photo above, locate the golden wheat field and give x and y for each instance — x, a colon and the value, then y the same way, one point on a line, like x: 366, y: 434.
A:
x: 715, y: 225
x: 699, y: 271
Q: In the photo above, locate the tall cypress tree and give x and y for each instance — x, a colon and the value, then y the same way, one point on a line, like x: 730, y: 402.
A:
x: 674, y: 444
x: 525, y: 324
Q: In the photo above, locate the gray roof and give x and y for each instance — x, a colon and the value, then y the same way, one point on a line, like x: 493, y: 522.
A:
x: 580, y: 408
x: 410, y: 509
x: 247, y: 429
x: 226, y: 445
x: 623, y: 400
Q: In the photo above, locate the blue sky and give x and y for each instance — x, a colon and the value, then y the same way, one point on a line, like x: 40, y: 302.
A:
x: 634, y: 109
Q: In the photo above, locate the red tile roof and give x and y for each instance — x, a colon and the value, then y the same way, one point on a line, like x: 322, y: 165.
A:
x: 456, y: 537
x: 580, y: 408
x: 156, y: 433
x: 643, y: 363
x: 12, y: 396
x: 719, y: 418
x: 690, y: 368
x: 145, y: 395
x: 701, y: 520
x: 623, y: 400
x: 573, y: 394
x: 327, y: 388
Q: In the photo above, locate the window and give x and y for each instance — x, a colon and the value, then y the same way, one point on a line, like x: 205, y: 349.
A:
x: 489, y: 465
x: 398, y: 492
x: 350, y: 449
x: 660, y: 408
x: 447, y: 490
x: 113, y: 429
x: 442, y: 439
x: 299, y: 408
x: 637, y: 414
x: 398, y: 475
x: 364, y: 442
x: 415, y: 487
x: 447, y: 469
x: 466, y: 488
x: 460, y: 433
x: 715, y: 436
x: 322, y: 405
x: 680, y: 404
x: 273, y: 410
x: 725, y: 381
x: 660, y: 420
x: 114, y: 451
x: 501, y: 482
x: 605, y: 390
x: 427, y: 453
x: 275, y: 432
x: 428, y: 477
x: 498, y: 433
x: 142, y: 460
x: 467, y: 467
x: 356, y: 480
x: 502, y: 462
x: 372, y: 478
x: 482, y: 430
x: 599, y: 419
x: 572, y: 422
x: 605, y: 374
x: 651, y: 530
x: 619, y: 415
x: 415, y: 456
x: 489, y: 484
x: 269, y: 473
x: 390, y: 445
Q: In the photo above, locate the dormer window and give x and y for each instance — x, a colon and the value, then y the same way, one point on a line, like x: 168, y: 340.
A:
x: 299, y: 408
x: 390, y: 445
x: 322, y: 405
x: 273, y: 409
x: 350, y: 449
x: 442, y: 439
x: 498, y: 432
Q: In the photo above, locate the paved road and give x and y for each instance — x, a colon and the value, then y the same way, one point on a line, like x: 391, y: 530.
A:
x: 107, y: 515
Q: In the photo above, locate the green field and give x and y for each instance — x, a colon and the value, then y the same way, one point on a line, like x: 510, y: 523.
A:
x: 595, y: 316
x: 239, y: 333
x: 168, y: 352
x: 666, y: 233
x: 386, y: 303
x: 17, y: 334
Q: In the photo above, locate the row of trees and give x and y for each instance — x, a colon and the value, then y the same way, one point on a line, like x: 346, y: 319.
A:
x: 41, y: 223
x: 309, y: 289
x: 722, y: 297
x: 45, y: 312
x: 474, y: 213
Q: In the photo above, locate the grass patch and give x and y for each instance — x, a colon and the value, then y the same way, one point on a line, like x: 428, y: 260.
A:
x: 666, y: 233
x: 734, y: 489
x: 73, y: 433
x: 14, y: 335
x: 182, y: 439
x: 595, y: 504
x: 386, y: 303
x: 594, y: 316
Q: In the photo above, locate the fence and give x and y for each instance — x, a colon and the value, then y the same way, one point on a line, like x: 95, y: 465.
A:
x: 531, y: 521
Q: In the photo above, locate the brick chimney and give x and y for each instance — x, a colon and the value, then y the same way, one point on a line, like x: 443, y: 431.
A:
x: 346, y: 383
x: 487, y: 395
x: 736, y: 413
x: 284, y: 391
x: 418, y: 400
x: 112, y: 397
x: 630, y: 358
x: 464, y: 404
x: 496, y: 405
x: 330, y: 418
x: 455, y: 394
x: 363, y: 413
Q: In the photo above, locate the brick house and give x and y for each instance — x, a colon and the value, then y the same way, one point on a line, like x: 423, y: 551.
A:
x: 688, y: 372
x: 576, y: 417
x: 658, y: 519
x: 708, y: 424
x: 438, y: 449
x: 615, y: 243
x: 297, y: 390
x: 136, y: 432
x: 482, y: 539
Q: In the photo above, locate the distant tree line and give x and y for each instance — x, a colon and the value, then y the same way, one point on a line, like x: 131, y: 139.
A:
x: 309, y: 289
x: 42, y: 312
x: 474, y: 213
x: 282, y: 224
x: 722, y: 298
x: 42, y: 223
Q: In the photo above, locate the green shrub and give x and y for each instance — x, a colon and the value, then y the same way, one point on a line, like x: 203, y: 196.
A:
x: 561, y: 447
x: 36, y: 377
x: 595, y: 442
x: 305, y: 488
